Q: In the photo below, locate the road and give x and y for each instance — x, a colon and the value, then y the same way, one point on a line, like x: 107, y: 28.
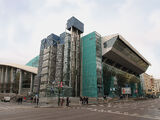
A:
x: 141, y: 110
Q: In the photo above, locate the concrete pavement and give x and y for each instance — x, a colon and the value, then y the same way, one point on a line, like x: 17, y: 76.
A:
x: 137, y: 110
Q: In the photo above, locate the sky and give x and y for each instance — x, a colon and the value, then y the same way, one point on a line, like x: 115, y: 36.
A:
x: 24, y: 23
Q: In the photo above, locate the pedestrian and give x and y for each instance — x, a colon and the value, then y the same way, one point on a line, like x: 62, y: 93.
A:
x: 80, y: 100
x: 62, y: 101
x: 84, y: 100
x: 59, y: 101
x: 121, y: 96
x: 104, y: 97
x: 37, y: 99
x: 87, y: 100
x: 67, y: 101
x: 20, y: 99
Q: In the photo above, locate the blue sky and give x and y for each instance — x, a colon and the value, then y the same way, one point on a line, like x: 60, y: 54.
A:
x: 24, y: 23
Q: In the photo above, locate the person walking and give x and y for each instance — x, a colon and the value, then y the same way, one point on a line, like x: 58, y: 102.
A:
x: 80, y: 100
x: 20, y: 99
x: 37, y: 99
x: 59, y: 101
x: 87, y: 100
x: 84, y: 100
x: 67, y: 102
x: 62, y: 101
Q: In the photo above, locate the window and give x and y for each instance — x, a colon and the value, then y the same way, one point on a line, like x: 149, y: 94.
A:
x: 120, y: 46
x: 105, y: 44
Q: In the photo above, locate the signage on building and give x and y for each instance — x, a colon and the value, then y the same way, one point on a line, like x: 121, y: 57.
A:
x: 112, y: 89
x: 126, y: 90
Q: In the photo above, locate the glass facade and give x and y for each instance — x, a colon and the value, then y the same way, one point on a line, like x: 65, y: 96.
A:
x: 33, y: 62
x: 115, y: 79
x: 124, y: 49
x: 92, y: 81
x: 109, y: 43
x: 99, y: 65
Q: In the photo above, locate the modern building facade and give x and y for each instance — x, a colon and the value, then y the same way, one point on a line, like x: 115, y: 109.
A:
x: 92, y: 65
x: 122, y: 66
x: 116, y: 63
x: 92, y: 80
x: 151, y: 85
x: 60, y: 62
x: 33, y: 62
x: 17, y: 79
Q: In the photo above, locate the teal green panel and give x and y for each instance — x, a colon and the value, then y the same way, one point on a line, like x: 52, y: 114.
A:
x: 133, y: 89
x: 89, y: 73
x: 140, y: 90
x: 34, y: 62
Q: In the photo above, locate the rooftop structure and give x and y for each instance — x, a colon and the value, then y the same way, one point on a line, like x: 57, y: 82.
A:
x: 33, y: 62
x: 118, y: 52
x: 74, y: 22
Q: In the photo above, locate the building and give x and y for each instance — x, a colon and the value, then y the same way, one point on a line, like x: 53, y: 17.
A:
x: 92, y: 65
x: 109, y: 64
x: 151, y: 85
x: 92, y: 80
x: 33, y: 62
x: 157, y: 87
x: 60, y: 61
x: 16, y: 78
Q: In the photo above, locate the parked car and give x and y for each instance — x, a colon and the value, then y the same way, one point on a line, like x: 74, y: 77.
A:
x: 6, y: 99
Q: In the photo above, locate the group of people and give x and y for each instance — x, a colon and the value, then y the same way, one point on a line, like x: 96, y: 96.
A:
x: 34, y: 99
x: 62, y: 100
x: 83, y: 100
x: 19, y: 99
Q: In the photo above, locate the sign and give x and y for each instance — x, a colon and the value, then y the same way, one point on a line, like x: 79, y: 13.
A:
x: 126, y: 90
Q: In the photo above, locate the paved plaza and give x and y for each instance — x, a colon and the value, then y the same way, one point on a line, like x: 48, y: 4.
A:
x: 133, y: 110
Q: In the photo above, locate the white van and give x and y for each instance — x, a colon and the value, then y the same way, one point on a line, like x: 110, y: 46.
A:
x: 7, y: 99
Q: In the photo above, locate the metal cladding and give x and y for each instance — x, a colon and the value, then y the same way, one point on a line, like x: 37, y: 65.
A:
x: 92, y: 84
x: 48, y: 68
x: 60, y: 60
x: 74, y: 22
x: 119, y: 53
x: 62, y: 37
x: 59, y: 63
x: 51, y: 40
x: 75, y: 64
x: 66, y: 60
x: 71, y: 66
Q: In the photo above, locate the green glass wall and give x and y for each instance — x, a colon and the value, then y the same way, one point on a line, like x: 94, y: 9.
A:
x: 116, y: 78
x: 91, y: 65
x: 33, y: 62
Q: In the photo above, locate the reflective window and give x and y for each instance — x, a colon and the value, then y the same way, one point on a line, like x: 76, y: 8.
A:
x: 109, y: 43
x: 124, y: 49
x: 105, y: 44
